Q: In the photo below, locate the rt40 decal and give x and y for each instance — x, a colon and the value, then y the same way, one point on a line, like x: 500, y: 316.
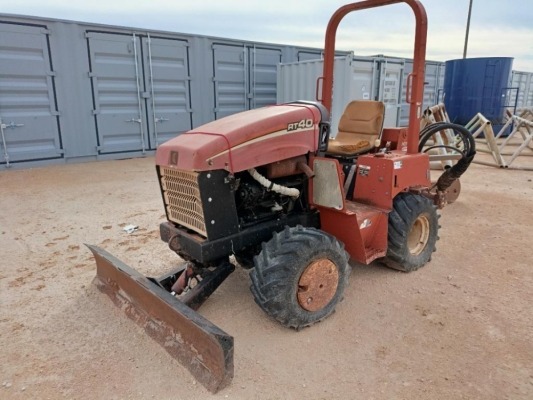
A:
x: 304, y: 123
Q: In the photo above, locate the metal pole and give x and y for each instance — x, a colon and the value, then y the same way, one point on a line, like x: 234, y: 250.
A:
x: 140, y: 121
x: 245, y: 74
x: 152, y: 89
x: 467, y: 28
x: 253, y: 77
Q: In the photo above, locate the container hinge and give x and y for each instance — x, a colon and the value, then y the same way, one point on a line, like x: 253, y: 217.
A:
x: 95, y: 112
x: 98, y: 148
x: 216, y: 109
x: 214, y: 79
x: 250, y: 95
x: 55, y: 113
x: 92, y: 75
x: 88, y: 35
x: 46, y: 31
x: 51, y: 73
x: 60, y: 151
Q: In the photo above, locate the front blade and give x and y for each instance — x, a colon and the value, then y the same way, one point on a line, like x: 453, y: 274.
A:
x: 203, y: 348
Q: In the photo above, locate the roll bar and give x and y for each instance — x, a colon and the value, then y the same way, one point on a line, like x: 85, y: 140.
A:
x: 415, y: 80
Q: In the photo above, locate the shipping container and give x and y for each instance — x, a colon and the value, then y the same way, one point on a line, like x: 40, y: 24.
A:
x: 433, y: 87
x: 29, y: 116
x: 74, y: 91
x: 360, y: 78
x: 521, y: 89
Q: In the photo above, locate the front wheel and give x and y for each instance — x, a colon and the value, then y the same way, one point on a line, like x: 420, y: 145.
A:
x: 300, y: 276
x: 413, y: 232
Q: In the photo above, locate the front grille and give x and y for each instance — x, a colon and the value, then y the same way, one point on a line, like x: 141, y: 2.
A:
x: 182, y: 199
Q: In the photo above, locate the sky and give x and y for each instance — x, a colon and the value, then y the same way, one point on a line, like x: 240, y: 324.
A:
x: 499, y: 28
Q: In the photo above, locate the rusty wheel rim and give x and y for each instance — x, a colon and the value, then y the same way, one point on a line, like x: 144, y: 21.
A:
x: 418, y: 235
x: 318, y: 284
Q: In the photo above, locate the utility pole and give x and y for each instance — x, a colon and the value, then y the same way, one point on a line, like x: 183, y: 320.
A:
x: 467, y: 28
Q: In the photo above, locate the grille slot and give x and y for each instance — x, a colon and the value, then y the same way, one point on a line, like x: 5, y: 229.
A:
x: 182, y: 199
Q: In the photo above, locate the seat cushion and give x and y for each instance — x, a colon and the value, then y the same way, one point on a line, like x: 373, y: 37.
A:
x: 351, y: 146
x: 359, y: 128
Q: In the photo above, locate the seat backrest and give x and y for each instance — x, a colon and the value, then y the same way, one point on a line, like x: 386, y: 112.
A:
x: 362, y: 117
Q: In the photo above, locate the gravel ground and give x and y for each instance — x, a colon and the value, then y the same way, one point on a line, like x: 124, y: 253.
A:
x: 461, y: 327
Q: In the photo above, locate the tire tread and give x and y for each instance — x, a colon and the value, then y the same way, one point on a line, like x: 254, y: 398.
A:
x: 275, y: 274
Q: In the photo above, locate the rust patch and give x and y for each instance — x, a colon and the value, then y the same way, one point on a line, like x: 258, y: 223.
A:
x: 318, y: 284
x: 203, y: 348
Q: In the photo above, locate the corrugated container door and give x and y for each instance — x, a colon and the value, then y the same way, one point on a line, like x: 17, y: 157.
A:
x: 433, y: 87
x: 390, y: 89
x: 433, y: 83
x: 528, y: 95
x: 521, y: 91
x: 297, y: 80
x: 517, y: 91
x: 230, y: 77
x: 118, y: 92
x: 263, y: 72
x: 355, y: 78
x: 28, y: 109
x: 364, y: 80
x: 167, y: 78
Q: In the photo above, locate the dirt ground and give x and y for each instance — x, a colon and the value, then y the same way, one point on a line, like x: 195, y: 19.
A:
x: 459, y: 328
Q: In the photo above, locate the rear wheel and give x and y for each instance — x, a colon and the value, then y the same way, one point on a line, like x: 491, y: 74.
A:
x: 413, y: 230
x: 300, y: 276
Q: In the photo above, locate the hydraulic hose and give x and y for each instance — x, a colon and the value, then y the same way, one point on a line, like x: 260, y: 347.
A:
x: 286, y: 191
x: 468, y: 152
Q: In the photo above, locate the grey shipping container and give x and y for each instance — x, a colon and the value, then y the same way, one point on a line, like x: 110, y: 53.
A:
x: 74, y: 91
x: 433, y: 87
x: 355, y: 78
x: 521, y: 89
x: 30, y: 127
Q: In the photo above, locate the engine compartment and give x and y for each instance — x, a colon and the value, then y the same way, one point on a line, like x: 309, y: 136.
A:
x: 256, y: 203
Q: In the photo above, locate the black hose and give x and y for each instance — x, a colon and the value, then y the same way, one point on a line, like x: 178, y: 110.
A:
x: 444, y: 146
x: 466, y: 137
x: 453, y: 173
x: 468, y: 153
